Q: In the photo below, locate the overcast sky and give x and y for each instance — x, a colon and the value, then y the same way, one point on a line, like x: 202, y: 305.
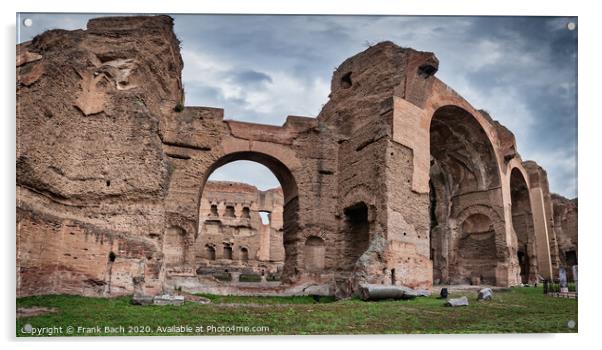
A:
x: 522, y: 70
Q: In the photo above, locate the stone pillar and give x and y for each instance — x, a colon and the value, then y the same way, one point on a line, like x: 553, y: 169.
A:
x: 540, y: 225
x: 263, y: 254
x: 235, y: 276
x: 408, y: 231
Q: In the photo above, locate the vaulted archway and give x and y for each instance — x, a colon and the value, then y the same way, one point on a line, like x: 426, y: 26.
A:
x: 282, y: 207
x: 464, y: 174
x: 523, y: 227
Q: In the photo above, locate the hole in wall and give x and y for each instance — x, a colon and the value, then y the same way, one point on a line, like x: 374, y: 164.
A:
x: 213, y: 211
x: 246, y: 213
x: 265, y: 217
x: 229, y: 213
x: 228, y: 252
x: 571, y: 258
x: 427, y: 70
x: 357, y: 233
x: 346, y: 81
x: 210, y: 253
x: 244, y: 254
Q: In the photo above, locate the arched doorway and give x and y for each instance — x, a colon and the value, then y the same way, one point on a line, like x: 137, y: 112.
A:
x: 464, y: 173
x: 523, y: 226
x: 256, y: 246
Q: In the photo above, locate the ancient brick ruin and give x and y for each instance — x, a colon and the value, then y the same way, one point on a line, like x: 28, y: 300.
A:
x: 232, y: 238
x: 398, y: 180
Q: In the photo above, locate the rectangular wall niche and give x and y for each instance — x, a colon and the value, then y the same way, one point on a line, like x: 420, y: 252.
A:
x: 314, y: 254
x: 228, y: 252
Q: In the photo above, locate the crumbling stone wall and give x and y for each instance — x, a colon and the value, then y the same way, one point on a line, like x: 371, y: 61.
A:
x: 565, y: 229
x: 398, y: 180
x: 91, y: 173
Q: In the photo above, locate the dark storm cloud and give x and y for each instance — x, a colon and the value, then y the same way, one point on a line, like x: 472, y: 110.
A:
x: 251, y: 77
x: 539, y: 64
x: 522, y: 70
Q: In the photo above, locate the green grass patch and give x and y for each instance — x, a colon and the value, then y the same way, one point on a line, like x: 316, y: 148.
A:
x: 241, y: 299
x: 249, y: 277
x: 273, y: 277
x: 223, y: 276
x: 520, y: 310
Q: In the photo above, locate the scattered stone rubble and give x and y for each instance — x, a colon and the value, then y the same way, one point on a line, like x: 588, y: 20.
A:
x: 166, y: 299
x: 462, y: 301
x: 485, y: 294
x: 380, y: 292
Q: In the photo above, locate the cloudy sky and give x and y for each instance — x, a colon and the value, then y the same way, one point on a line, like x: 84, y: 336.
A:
x: 522, y: 70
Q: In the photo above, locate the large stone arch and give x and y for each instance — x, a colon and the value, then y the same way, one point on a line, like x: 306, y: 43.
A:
x: 193, y: 157
x: 464, y: 173
x: 291, y: 199
x: 276, y: 166
x: 190, y: 176
x: 527, y: 198
x: 523, y: 240
x: 547, y: 248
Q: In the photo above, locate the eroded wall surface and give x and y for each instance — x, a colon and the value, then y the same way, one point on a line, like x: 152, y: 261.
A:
x: 92, y: 176
x: 565, y: 228
x: 398, y: 180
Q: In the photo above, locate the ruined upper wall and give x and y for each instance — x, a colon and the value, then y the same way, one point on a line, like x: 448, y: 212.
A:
x: 241, y: 195
x: 91, y: 172
x: 363, y: 83
x: 565, y: 226
x: 104, y: 89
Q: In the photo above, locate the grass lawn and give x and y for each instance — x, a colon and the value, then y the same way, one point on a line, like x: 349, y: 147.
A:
x: 520, y: 310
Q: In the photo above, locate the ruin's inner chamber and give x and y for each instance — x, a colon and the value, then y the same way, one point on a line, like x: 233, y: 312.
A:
x: 463, y: 173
